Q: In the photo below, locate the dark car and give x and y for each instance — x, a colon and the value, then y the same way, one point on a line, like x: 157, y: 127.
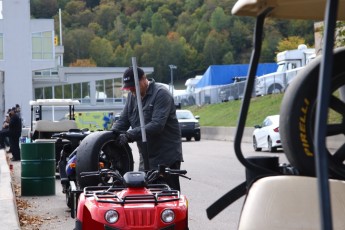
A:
x: 189, y: 125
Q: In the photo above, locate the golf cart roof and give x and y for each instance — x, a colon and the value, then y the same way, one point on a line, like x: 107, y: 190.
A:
x: 54, y: 102
x: 286, y: 9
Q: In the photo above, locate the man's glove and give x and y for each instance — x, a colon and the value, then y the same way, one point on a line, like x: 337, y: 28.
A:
x: 124, y: 139
x: 116, y: 132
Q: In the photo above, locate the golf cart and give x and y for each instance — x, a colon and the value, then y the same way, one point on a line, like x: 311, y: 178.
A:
x: 43, y: 128
x: 309, y: 193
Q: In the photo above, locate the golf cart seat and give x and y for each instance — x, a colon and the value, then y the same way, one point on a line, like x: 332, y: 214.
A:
x: 44, y: 129
x: 290, y: 202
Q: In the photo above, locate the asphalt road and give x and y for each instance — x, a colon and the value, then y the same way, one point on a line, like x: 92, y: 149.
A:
x: 212, y: 166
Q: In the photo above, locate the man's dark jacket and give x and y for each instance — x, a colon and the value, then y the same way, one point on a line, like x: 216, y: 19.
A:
x: 15, y: 126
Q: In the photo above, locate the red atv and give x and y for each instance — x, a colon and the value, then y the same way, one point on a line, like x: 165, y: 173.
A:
x: 137, y: 200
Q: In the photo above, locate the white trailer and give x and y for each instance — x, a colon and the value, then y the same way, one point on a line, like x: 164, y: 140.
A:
x: 290, y: 62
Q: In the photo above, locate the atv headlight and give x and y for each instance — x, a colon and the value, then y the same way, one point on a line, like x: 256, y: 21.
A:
x: 168, y: 216
x: 111, y: 216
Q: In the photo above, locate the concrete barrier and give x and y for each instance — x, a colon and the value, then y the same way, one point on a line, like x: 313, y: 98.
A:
x: 225, y: 133
x: 228, y: 134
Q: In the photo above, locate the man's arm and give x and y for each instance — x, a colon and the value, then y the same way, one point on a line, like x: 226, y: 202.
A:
x: 122, y: 124
x: 159, y: 112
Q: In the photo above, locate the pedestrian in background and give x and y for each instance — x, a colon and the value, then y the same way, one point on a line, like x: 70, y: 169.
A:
x: 15, y: 131
x: 4, y: 141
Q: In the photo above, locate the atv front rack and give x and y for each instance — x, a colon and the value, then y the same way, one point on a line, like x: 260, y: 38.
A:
x: 160, y: 194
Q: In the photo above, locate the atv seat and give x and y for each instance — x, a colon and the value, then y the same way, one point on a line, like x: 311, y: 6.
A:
x: 290, y: 202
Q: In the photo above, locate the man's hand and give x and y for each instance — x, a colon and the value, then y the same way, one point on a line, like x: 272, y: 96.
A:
x: 124, y: 139
x: 116, y: 132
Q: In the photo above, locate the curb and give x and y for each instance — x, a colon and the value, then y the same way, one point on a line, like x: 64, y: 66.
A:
x: 8, y: 208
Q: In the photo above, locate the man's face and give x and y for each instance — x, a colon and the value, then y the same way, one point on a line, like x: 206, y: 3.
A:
x: 142, y: 85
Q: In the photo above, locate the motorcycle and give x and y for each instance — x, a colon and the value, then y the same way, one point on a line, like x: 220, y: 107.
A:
x: 136, y: 200
x: 69, y: 141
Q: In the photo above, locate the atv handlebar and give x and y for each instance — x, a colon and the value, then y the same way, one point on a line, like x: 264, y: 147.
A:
x: 150, y: 176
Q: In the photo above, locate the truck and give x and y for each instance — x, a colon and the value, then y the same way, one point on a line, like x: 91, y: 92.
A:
x: 186, y: 97
x: 290, y: 62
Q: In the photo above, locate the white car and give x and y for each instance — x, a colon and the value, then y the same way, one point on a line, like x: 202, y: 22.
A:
x: 267, y: 134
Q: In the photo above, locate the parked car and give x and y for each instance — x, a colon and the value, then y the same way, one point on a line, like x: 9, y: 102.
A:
x: 267, y: 134
x: 189, y: 125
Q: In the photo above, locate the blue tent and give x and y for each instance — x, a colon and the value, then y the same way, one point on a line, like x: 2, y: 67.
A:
x: 225, y: 74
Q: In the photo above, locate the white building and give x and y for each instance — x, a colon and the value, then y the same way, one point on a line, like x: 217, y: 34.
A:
x: 31, y: 67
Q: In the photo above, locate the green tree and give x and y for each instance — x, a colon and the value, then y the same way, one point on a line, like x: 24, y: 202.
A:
x: 290, y: 43
x: 186, y: 25
x: 219, y: 20
x: 43, y: 8
x: 272, y: 36
x: 216, y: 46
x: 167, y: 14
x: 101, y: 51
x: 74, y: 7
x: 123, y: 55
x: 86, y: 17
x: 135, y: 35
x: 106, y: 15
x: 145, y: 20
x: 92, y: 3
x: 77, y: 42
x: 159, y: 25
x: 228, y: 58
x: 340, y: 34
x: 119, y: 30
x: 241, y: 37
x: 199, y: 36
x: 96, y: 29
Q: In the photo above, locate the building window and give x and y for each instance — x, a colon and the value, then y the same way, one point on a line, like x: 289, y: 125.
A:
x: 107, y: 92
x: 48, y: 92
x: 39, y: 93
x: 58, y: 92
x: 100, y: 92
x: 1, y: 10
x: 42, y: 45
x: 67, y: 89
x: 76, y: 89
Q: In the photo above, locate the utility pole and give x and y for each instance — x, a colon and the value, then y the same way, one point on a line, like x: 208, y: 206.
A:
x: 172, y: 78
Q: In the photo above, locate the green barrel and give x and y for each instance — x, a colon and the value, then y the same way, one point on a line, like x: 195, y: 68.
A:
x: 38, y: 169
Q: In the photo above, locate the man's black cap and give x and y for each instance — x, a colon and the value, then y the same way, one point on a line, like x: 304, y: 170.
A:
x: 128, y: 78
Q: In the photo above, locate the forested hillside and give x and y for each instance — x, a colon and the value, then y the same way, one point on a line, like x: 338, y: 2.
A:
x: 191, y: 34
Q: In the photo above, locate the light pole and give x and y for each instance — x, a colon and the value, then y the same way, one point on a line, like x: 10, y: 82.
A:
x: 172, y: 78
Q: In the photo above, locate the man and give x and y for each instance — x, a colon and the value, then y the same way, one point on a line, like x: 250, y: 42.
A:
x: 14, y: 131
x: 161, y: 125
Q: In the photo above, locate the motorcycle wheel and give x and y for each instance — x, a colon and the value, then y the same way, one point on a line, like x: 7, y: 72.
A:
x: 69, y: 197
x: 297, y: 118
x: 101, y: 148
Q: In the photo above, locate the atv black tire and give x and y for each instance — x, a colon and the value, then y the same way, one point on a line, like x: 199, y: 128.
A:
x: 297, y: 118
x: 101, y: 147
